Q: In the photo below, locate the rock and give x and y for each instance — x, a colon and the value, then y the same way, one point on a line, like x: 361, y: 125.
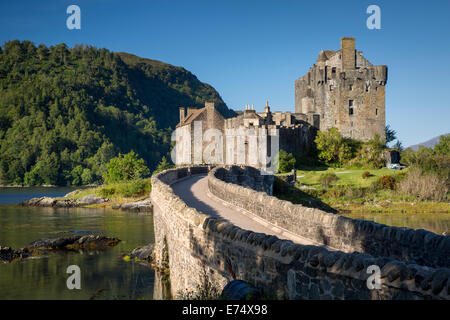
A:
x: 140, y: 206
x: 74, y: 242
x: 73, y: 193
x: 8, y: 254
x: 144, y: 253
x: 91, y: 199
x: 39, y: 202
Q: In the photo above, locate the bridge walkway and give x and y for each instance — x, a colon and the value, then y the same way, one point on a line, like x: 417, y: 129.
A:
x: 194, y: 191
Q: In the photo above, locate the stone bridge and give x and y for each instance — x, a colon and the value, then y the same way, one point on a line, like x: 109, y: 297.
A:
x: 222, y: 224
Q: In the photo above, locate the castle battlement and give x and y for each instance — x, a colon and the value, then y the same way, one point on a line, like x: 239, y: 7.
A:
x: 343, y: 90
x: 346, y: 91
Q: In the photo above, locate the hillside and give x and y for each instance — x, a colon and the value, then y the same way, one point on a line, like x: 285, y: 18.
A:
x: 429, y: 143
x: 64, y: 112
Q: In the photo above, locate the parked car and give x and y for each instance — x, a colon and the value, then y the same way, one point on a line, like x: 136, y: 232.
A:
x: 394, y: 166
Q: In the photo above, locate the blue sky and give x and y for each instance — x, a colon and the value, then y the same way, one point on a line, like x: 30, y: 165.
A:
x: 252, y: 51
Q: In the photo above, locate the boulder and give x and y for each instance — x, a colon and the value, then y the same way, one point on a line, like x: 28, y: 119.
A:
x: 91, y: 199
x: 144, y: 253
x: 139, y: 206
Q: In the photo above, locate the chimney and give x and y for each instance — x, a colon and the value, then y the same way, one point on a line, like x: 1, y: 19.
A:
x: 267, y: 108
x: 348, y: 53
x: 182, y: 114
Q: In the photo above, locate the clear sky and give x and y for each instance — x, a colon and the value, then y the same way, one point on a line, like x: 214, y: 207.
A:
x: 251, y: 51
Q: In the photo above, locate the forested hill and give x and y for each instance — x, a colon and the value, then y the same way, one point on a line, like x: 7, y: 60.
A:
x: 64, y: 112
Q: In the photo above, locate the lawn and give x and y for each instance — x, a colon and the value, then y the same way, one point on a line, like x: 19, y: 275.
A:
x: 350, y: 177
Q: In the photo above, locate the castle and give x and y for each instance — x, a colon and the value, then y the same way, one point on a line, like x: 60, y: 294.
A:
x: 344, y: 90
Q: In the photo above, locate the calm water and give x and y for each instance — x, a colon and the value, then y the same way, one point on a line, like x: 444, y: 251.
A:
x: 45, y: 278
x: 435, y: 222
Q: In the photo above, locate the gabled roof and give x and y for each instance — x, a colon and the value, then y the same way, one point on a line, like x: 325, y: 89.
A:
x: 194, y: 115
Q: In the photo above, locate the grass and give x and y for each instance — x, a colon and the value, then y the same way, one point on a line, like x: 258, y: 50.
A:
x: 354, y: 193
x: 118, y: 193
x: 349, y: 177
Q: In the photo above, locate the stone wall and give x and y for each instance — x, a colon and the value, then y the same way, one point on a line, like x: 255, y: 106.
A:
x: 195, y: 246
x: 347, y: 91
x: 336, y: 231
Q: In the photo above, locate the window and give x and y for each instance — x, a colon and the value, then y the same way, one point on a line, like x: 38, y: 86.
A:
x: 331, y: 87
x: 350, y: 87
x: 367, y: 88
x: 376, y: 112
x: 350, y: 111
x: 350, y: 103
x: 333, y: 70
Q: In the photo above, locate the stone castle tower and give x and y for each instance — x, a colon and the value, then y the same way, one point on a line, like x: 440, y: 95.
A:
x: 346, y: 91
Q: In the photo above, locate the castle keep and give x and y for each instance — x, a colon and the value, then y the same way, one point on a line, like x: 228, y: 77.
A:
x: 343, y: 90
x: 346, y: 90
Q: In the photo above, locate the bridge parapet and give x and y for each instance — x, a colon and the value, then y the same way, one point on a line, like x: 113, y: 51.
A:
x: 196, y: 245
x: 336, y: 231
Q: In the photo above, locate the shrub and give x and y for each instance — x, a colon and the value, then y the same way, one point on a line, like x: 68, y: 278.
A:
x: 424, y: 185
x: 371, y: 153
x: 134, y: 188
x: 286, y: 161
x: 365, y: 174
x: 163, y: 165
x: 107, y: 192
x: 125, y: 167
x: 327, y: 179
x: 387, y: 182
x: 333, y: 148
x: 335, y: 193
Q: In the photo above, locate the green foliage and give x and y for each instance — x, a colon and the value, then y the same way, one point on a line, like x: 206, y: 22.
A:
x: 327, y: 179
x: 431, y: 160
x: 125, y: 167
x: 443, y: 146
x: 64, y: 108
x: 398, y: 145
x: 391, y: 134
x: 286, y: 161
x: 333, y: 148
x: 163, y: 165
x: 370, y: 154
x: 129, y: 189
x: 107, y: 192
x: 134, y: 188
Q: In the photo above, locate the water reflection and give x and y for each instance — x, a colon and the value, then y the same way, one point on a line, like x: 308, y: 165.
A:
x: 45, y: 277
x: 435, y: 222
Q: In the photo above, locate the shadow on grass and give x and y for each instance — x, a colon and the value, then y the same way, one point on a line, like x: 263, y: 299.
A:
x: 285, y: 191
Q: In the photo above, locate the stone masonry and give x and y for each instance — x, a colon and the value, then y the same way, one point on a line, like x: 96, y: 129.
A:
x: 198, y: 245
x: 346, y: 91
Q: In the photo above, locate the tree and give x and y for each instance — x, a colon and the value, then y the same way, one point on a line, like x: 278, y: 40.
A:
x: 391, y: 134
x: 398, y: 145
x: 125, y: 167
x: 286, y: 161
x: 333, y: 148
x: 163, y: 165
x: 443, y: 146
